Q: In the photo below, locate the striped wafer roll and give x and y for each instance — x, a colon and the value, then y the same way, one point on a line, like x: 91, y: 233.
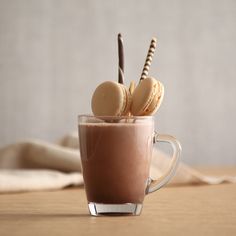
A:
x: 149, y: 59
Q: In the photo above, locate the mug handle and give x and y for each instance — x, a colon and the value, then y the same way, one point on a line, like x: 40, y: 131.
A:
x: 165, y: 178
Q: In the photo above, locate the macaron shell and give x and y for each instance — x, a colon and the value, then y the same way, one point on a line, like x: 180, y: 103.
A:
x: 156, y: 101
x: 143, y: 96
x: 131, y: 87
x: 109, y: 99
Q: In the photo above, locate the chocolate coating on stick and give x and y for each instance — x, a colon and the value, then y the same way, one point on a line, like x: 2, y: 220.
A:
x: 121, y: 59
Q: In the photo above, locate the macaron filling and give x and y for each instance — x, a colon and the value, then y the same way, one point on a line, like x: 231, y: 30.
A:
x: 126, y: 101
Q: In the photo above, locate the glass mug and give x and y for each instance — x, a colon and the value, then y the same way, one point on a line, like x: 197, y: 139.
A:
x: 116, y: 155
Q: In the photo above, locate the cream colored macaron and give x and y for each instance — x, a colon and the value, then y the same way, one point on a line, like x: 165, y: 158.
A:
x: 147, y: 97
x: 111, y: 99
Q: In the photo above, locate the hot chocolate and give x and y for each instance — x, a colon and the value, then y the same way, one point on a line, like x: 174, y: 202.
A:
x: 116, y: 142
x: 116, y: 160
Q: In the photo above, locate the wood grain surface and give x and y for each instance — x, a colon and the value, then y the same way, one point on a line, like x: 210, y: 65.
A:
x: 189, y: 210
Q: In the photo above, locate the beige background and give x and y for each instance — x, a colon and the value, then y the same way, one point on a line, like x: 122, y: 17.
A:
x: 54, y: 53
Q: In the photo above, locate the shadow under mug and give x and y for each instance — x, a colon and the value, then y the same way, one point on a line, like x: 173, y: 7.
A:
x: 116, y: 154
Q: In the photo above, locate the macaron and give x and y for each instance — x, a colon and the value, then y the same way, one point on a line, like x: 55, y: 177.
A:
x: 111, y: 99
x: 131, y: 87
x: 147, y: 97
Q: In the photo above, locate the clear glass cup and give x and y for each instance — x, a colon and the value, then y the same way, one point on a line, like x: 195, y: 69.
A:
x: 116, y: 154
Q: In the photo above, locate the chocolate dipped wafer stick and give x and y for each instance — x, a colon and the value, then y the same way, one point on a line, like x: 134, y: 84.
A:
x: 121, y: 59
x: 148, y: 61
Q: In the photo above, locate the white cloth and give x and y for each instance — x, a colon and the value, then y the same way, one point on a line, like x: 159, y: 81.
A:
x: 35, y: 165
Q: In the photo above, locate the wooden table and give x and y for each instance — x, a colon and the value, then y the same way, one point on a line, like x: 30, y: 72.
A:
x: 192, y: 210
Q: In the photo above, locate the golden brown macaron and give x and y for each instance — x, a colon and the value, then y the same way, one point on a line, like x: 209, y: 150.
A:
x: 111, y: 99
x: 132, y: 87
x: 147, y: 97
